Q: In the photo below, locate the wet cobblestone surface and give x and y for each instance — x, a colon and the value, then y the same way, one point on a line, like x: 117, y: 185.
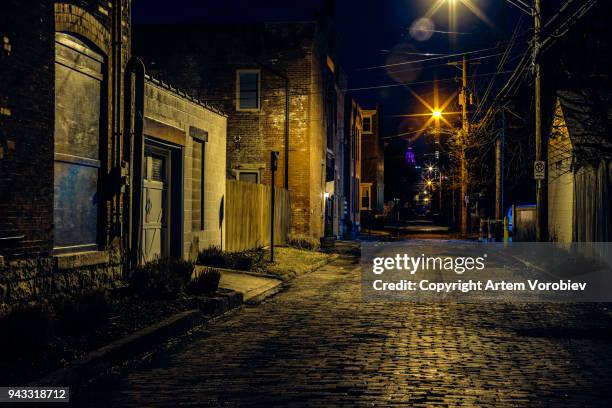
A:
x: 317, y: 344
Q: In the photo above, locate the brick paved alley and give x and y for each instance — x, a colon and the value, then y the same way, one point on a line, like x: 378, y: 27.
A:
x: 317, y: 344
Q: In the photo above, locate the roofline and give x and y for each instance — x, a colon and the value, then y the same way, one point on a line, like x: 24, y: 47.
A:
x: 183, y: 94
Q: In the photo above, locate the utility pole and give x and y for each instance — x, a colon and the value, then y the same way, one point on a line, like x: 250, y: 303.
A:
x: 273, y: 168
x: 463, y: 140
x: 464, y: 100
x: 499, y: 171
x: 540, y: 143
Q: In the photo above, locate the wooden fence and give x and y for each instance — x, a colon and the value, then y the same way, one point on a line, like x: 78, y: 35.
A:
x: 247, y: 215
x: 523, y: 223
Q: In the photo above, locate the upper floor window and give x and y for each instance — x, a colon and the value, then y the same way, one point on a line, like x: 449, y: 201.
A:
x: 248, y: 87
x: 367, y: 124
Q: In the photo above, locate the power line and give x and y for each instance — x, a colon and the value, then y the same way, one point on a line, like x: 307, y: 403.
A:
x: 427, y: 59
x: 422, y: 82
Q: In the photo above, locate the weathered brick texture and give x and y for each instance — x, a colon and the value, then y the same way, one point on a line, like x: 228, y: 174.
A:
x: 372, y: 162
x: 203, y: 59
x: 28, y: 268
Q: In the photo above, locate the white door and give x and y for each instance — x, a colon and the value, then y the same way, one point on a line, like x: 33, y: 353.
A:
x: 155, y: 206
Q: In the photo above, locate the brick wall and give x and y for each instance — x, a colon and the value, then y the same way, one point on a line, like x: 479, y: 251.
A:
x: 372, y: 161
x: 26, y: 127
x: 28, y: 268
x: 203, y: 60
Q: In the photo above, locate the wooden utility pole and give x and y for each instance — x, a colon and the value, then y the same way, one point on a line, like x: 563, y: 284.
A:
x: 463, y: 140
x: 540, y: 143
x: 499, y: 171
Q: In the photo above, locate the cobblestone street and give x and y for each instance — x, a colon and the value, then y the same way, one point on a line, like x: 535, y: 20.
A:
x: 317, y: 344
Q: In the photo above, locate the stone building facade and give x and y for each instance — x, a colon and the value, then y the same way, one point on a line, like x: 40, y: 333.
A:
x: 371, y: 195
x: 244, y: 68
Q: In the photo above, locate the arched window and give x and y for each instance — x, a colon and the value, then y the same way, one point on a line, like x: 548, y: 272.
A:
x: 78, y: 94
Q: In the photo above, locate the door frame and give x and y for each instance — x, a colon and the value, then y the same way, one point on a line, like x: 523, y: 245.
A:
x: 174, y: 192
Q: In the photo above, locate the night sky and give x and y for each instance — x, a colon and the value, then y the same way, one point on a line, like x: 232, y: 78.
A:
x: 374, y: 33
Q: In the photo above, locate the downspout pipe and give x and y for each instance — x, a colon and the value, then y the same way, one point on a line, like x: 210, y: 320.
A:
x: 117, y: 56
x: 134, y: 84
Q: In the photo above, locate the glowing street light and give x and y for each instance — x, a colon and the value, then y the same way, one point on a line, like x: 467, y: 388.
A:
x: 437, y: 114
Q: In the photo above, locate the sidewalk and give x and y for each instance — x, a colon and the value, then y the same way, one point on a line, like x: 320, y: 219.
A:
x: 253, y: 287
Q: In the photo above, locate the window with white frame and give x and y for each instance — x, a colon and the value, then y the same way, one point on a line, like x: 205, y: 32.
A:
x: 248, y: 86
x: 249, y: 176
x: 365, y: 196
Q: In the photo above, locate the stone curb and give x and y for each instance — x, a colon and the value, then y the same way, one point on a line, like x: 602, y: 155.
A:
x: 267, y: 293
x: 92, y: 364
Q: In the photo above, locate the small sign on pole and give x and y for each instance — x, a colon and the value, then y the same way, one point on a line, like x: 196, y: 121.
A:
x: 539, y: 169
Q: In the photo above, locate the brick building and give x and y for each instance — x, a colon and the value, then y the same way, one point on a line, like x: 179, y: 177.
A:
x: 245, y: 68
x: 66, y: 161
x: 371, y: 193
x: 61, y: 66
x: 353, y: 127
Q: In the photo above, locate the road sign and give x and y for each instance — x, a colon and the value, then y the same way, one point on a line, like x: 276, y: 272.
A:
x: 539, y: 169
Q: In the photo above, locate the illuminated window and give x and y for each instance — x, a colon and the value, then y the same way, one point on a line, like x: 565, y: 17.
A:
x: 247, y: 89
x: 365, y: 195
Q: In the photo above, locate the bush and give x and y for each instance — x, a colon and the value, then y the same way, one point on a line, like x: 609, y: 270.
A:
x: 244, y: 261
x: 212, y: 256
x: 163, y: 278
x: 26, y: 328
x: 82, y: 314
x: 207, y: 281
x: 303, y: 242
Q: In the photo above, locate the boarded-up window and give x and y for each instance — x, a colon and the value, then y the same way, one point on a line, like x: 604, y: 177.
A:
x: 197, y: 188
x: 78, y: 79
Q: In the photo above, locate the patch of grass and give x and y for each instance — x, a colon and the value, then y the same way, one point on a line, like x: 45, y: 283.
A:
x: 207, y: 281
x: 301, y: 241
x: 290, y: 262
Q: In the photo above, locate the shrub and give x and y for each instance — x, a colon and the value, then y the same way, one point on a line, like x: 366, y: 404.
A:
x: 207, y: 281
x: 245, y: 260
x: 26, y: 328
x: 82, y: 314
x: 162, y: 278
x: 303, y: 242
x: 212, y: 256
